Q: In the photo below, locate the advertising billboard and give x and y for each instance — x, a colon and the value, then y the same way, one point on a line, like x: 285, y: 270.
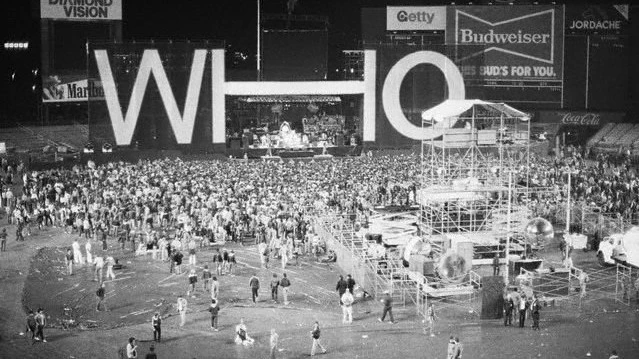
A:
x: 64, y: 63
x: 597, y: 19
x: 55, y: 89
x: 521, y: 43
x: 89, y: 10
x: 415, y: 18
x: 580, y: 118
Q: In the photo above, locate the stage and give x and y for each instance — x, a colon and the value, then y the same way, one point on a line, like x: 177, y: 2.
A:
x: 253, y: 153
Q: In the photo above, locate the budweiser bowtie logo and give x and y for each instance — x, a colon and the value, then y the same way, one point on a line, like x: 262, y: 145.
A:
x: 530, y: 36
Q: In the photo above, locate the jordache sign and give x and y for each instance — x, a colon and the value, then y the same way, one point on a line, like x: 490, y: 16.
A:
x: 518, y: 42
x: 597, y: 19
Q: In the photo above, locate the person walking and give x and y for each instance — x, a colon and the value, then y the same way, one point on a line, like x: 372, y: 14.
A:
x: 350, y: 283
x: 523, y: 305
x: 69, y: 261
x: 459, y: 348
x: 156, y: 324
x: 232, y: 262
x: 181, y: 308
x: 509, y: 307
x: 215, y: 288
x: 262, y: 249
x: 192, y: 256
x: 388, y: 307
x: 347, y: 307
x: 99, y: 265
x: 131, y: 349
x: 254, y: 283
x: 214, y: 309
x: 534, y: 308
x: 32, y: 326
x: 41, y: 321
x: 192, y: 282
x: 341, y: 287
x: 100, y: 294
x: 110, y: 262
x: 77, y: 255
x: 275, y: 338
x: 177, y: 257
x: 315, y: 334
x: 206, y: 278
x: 3, y: 240
x: 87, y: 248
x: 275, y: 283
x: 225, y: 261
x: 285, y: 283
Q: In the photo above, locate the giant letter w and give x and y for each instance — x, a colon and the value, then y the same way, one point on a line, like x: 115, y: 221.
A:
x: 124, y: 126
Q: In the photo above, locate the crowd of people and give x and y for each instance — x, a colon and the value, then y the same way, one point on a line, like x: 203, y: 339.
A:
x: 602, y: 181
x: 183, y: 205
x: 170, y: 207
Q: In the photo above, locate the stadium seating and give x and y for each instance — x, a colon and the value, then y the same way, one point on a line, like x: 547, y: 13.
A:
x: 601, y: 134
x: 35, y: 138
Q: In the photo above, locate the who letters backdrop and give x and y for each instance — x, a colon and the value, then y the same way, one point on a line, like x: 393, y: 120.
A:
x: 146, y: 113
x: 423, y: 87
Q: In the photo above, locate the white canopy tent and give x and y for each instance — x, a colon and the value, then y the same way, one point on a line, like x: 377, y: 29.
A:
x: 449, y: 112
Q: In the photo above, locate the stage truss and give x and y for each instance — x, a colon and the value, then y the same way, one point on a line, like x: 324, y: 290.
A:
x: 467, y: 174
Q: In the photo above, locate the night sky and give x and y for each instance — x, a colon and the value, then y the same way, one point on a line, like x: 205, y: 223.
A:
x: 233, y: 21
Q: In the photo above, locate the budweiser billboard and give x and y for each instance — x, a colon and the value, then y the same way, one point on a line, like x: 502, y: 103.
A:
x: 597, y: 19
x: 580, y: 118
x: 517, y: 42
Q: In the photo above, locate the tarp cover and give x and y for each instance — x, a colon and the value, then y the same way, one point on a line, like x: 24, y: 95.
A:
x: 448, y: 112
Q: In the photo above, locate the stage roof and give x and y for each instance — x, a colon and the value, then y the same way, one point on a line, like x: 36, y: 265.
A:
x: 455, y: 109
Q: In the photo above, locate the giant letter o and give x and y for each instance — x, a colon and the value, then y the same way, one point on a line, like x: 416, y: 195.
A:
x: 393, y: 82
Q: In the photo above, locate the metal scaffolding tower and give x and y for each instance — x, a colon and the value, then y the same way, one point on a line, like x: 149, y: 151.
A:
x: 467, y: 174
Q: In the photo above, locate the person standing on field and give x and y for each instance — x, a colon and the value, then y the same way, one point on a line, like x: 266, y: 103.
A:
x: 388, y: 307
x: 315, y: 334
x: 181, y: 308
x: 285, y: 283
x: 156, y: 323
x: 100, y: 294
x: 275, y: 283
x: 214, y: 309
x: 254, y: 283
x: 347, y: 307
x: 275, y: 338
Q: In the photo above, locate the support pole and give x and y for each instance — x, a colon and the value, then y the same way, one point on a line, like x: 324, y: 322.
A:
x: 568, y: 204
x: 508, y: 228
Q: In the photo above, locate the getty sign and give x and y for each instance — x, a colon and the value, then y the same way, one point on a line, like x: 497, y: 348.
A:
x: 183, y: 121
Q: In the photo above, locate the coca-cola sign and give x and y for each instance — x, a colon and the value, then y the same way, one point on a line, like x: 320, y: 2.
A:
x: 580, y: 118
x: 584, y: 119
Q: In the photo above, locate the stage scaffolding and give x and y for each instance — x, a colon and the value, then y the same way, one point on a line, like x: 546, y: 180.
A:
x: 469, y: 174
